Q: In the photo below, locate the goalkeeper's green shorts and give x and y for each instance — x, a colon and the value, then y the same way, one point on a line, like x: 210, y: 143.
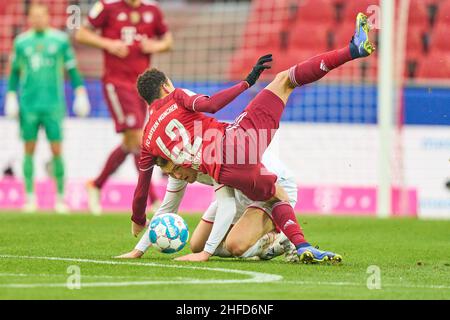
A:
x: 30, y: 122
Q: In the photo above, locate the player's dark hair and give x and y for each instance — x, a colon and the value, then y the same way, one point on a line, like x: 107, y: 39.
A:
x: 149, y: 84
x: 161, y: 162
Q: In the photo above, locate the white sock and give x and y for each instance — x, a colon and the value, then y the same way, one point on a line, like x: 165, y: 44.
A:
x: 275, y: 249
x: 144, y: 243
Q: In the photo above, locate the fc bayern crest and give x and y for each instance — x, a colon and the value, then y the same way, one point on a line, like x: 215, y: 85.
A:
x: 147, y: 17
x: 135, y: 17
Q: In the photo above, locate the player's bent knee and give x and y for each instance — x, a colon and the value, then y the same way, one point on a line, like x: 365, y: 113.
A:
x: 236, y: 248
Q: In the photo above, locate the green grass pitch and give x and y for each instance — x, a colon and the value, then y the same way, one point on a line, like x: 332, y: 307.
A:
x: 413, y: 257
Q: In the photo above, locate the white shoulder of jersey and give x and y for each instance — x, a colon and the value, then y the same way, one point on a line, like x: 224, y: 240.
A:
x: 189, y: 92
x: 111, y: 1
x: 96, y: 9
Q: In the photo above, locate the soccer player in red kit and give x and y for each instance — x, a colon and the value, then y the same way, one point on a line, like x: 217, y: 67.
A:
x: 182, y: 140
x: 130, y: 32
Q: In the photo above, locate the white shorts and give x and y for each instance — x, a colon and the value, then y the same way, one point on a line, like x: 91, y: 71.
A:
x: 242, y: 202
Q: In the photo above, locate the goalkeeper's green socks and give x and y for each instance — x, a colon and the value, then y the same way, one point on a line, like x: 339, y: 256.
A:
x: 58, y: 173
x: 28, y: 173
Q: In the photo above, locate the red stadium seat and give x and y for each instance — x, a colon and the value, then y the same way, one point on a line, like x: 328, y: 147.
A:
x: 414, y: 39
x: 439, y: 39
x: 344, y: 33
x: 309, y: 35
x: 318, y: 11
x: 443, y: 17
x: 418, y: 15
x: 435, y: 66
x: 352, y: 8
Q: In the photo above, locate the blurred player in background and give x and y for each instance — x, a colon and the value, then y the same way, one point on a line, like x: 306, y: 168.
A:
x: 40, y: 57
x: 131, y: 31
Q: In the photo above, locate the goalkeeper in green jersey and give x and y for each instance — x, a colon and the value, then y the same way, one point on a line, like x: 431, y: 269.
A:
x: 40, y: 57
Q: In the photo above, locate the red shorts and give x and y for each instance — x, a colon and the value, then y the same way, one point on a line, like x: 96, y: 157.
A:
x: 126, y: 107
x: 244, y: 143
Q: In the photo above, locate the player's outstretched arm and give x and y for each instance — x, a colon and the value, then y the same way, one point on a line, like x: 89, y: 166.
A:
x: 139, y: 217
x: 88, y: 36
x: 222, y: 98
x: 226, y: 212
x: 81, y: 104
x: 11, y: 101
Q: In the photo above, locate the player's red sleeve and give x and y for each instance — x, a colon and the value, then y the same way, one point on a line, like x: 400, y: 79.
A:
x: 98, y: 16
x: 146, y: 164
x: 203, y: 103
x: 160, y: 23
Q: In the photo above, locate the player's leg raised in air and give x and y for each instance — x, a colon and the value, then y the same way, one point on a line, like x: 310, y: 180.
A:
x: 264, y: 113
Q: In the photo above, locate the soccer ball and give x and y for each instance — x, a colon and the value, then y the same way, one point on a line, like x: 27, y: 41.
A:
x: 168, y: 232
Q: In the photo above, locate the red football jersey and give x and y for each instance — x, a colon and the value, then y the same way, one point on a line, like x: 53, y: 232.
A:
x: 118, y: 20
x: 176, y: 132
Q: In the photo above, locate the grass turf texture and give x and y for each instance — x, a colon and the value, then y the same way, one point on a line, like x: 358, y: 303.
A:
x: 413, y: 257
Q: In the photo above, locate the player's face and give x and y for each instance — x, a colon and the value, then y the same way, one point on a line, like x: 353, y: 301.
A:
x: 133, y: 3
x: 38, y: 18
x: 178, y: 172
x: 168, y: 86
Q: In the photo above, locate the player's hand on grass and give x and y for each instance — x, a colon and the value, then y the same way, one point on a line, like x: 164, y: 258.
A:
x: 117, y: 48
x: 136, y: 229
x: 261, y: 65
x: 134, y: 254
x: 196, y: 257
x: 81, y: 104
x: 11, y: 105
x: 149, y: 46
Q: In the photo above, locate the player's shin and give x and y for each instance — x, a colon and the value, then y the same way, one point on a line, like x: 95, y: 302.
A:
x: 28, y: 173
x: 58, y: 173
x: 115, y: 159
x: 283, y: 216
x: 317, y: 67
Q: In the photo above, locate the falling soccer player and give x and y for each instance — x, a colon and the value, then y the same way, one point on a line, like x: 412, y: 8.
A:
x: 41, y: 56
x: 178, y: 131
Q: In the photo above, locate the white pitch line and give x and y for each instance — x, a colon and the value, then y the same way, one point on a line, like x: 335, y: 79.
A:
x: 362, y: 284
x: 255, y: 277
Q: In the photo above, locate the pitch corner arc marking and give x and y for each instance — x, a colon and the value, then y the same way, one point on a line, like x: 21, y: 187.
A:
x: 255, y: 277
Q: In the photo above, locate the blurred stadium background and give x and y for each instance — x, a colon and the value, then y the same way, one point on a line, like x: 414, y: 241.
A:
x: 332, y: 137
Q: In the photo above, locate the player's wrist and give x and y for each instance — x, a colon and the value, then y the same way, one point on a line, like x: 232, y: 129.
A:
x: 80, y: 90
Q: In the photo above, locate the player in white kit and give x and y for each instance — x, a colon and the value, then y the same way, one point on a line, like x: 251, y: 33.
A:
x: 233, y: 225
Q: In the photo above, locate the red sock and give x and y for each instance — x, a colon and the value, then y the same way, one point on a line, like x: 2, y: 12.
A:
x: 284, y: 217
x: 317, y: 67
x: 152, y: 196
x: 115, y: 159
